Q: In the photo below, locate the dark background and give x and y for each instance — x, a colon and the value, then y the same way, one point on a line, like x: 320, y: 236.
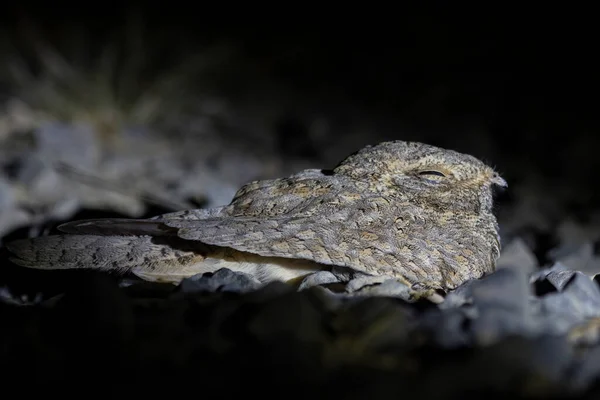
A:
x: 520, y: 71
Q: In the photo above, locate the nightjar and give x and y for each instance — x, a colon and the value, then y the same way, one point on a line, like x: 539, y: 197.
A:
x: 408, y: 211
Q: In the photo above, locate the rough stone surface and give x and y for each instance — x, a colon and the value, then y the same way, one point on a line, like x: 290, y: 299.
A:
x: 496, y: 334
x: 224, y: 280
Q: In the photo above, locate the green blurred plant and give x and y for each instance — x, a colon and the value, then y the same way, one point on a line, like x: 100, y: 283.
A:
x: 132, y: 77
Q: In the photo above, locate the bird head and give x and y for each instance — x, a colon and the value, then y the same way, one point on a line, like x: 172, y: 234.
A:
x: 440, y: 178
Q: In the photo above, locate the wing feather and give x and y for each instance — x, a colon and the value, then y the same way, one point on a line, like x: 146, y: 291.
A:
x: 328, y: 240
x: 117, y: 227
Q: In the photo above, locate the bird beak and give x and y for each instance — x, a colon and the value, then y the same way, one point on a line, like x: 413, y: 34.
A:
x: 499, y: 181
x: 499, y: 185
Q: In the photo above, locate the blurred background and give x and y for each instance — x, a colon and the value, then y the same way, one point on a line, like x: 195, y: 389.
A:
x: 116, y: 110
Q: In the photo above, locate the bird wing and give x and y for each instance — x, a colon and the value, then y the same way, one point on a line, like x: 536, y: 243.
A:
x: 326, y: 239
x: 329, y: 221
x: 341, y: 226
x: 117, y: 227
x: 134, y: 227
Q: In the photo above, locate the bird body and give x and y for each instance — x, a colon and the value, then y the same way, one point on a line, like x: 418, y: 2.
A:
x: 405, y: 210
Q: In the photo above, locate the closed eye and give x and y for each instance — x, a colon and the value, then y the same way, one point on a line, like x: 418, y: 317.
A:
x: 432, y: 173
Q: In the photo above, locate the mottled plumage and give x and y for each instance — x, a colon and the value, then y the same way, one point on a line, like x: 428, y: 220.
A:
x: 403, y: 210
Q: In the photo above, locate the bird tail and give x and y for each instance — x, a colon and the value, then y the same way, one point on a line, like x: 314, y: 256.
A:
x: 152, y: 258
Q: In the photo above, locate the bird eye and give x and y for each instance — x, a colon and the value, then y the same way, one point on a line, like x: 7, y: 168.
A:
x: 432, y: 173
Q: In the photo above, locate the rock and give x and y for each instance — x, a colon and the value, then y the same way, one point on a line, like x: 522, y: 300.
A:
x: 11, y: 217
x: 459, y: 296
x: 482, y: 312
x: 502, y: 303
x: 586, y: 372
x: 542, y: 273
x: 76, y: 145
x: 388, y: 288
x: 223, y: 280
x: 586, y: 334
x: 576, y: 248
x: 577, y: 298
x: 449, y: 328
x: 582, y: 258
x: 558, y: 279
x: 316, y: 279
x: 516, y: 254
x: 23, y: 300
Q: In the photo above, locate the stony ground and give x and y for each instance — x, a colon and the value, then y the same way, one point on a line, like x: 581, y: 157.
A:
x: 529, y: 330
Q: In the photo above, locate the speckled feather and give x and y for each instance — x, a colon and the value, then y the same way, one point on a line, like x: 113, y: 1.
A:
x: 381, y: 211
